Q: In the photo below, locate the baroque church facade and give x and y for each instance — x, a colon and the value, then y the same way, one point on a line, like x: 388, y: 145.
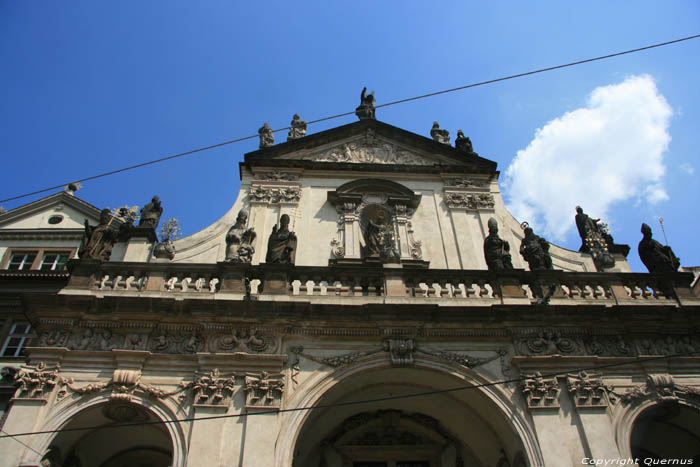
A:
x: 368, y: 301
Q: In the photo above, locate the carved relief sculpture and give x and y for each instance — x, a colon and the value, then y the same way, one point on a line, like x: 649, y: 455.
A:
x: 282, y: 244
x: 371, y: 152
x: 98, y: 240
x: 150, y: 214
x: 275, y: 194
x: 239, y: 240
x: 439, y: 135
x: 297, y: 128
x: 655, y: 256
x: 365, y: 110
x: 267, y: 137
x: 496, y: 251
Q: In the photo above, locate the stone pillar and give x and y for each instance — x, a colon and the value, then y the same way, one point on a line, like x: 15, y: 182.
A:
x: 549, y: 434
x: 259, y: 444
x: 206, y: 437
x: 22, y: 418
x: 599, y: 433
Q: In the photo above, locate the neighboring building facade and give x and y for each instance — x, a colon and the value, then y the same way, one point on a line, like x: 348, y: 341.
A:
x: 36, y: 241
x: 382, y: 292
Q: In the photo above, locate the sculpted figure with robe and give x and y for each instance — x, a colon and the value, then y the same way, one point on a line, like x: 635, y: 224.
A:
x: 535, y: 250
x: 239, y: 240
x: 282, y: 244
x: 98, y: 240
x: 150, y: 213
x: 655, y: 256
x: 496, y: 250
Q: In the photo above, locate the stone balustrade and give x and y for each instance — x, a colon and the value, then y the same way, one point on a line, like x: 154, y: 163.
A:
x: 376, y: 282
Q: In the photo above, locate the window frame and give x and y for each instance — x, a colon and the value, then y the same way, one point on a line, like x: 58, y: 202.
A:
x: 40, y: 252
x: 24, y: 336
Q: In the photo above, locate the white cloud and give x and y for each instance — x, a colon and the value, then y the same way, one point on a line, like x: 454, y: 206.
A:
x: 608, y: 151
x: 687, y: 168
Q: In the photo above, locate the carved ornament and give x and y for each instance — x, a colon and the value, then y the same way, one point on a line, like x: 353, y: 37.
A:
x: 540, y: 392
x: 465, y: 182
x: 277, y: 176
x: 469, y: 200
x: 123, y: 385
x: 264, y: 390
x: 35, y: 382
x: 587, y: 389
x: 211, y: 388
x: 274, y: 194
x: 661, y: 388
x: 547, y: 342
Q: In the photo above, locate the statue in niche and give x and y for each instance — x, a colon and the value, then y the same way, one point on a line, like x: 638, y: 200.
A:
x: 267, y: 137
x: 282, y: 244
x: 440, y: 135
x: 464, y: 144
x: 380, y: 239
x: 655, y: 256
x: 496, y: 251
x: 150, y: 214
x: 239, y: 240
x: 98, y: 240
x: 593, y: 239
x: 298, y: 128
x: 535, y: 250
x: 365, y: 111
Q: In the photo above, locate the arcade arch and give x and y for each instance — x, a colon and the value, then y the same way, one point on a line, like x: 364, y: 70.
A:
x: 451, y: 428
x: 153, y: 444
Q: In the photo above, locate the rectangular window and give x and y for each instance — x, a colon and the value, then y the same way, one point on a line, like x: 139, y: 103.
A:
x: 54, y: 261
x: 20, y: 337
x: 24, y: 260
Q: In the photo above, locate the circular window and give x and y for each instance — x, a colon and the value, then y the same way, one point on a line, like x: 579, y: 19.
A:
x: 55, y: 220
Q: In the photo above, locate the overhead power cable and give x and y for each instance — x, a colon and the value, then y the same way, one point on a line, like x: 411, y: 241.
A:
x: 357, y: 402
x: 400, y: 101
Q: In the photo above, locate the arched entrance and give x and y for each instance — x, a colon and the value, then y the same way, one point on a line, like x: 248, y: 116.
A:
x: 668, y: 430
x: 444, y: 429
x: 144, y: 443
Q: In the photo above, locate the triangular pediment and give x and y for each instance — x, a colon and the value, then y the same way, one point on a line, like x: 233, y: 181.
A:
x: 60, y: 211
x: 368, y: 142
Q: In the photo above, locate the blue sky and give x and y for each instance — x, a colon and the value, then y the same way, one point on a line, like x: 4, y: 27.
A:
x: 94, y: 86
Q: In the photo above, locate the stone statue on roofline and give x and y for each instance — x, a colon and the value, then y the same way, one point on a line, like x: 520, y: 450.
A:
x: 440, y: 135
x: 464, y: 144
x: 297, y: 128
x: 267, y: 137
x: 593, y: 239
x: 150, y: 213
x: 496, y: 250
x: 535, y: 250
x: 239, y: 240
x: 655, y: 256
x: 282, y: 244
x: 98, y: 240
x: 365, y: 111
